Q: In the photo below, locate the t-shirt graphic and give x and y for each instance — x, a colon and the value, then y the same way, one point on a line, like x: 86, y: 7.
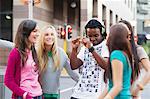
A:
x: 91, y: 79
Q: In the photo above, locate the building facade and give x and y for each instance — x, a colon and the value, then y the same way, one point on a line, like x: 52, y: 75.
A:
x: 143, y: 16
x: 59, y: 13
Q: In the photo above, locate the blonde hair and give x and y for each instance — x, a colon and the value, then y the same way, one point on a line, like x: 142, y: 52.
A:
x: 43, y: 53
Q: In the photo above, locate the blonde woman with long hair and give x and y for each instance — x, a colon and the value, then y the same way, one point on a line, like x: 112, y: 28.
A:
x: 52, y: 60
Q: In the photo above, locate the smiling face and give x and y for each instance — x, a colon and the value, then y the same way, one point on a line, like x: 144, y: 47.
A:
x: 49, y: 37
x: 94, y: 35
x: 33, y: 35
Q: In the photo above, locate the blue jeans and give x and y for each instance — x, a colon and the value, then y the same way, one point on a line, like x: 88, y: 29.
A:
x: 37, y: 97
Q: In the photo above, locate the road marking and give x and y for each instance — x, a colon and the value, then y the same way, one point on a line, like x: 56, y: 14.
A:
x: 62, y: 91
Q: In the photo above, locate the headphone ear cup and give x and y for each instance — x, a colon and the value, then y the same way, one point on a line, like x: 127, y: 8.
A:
x: 104, y: 33
x: 84, y: 33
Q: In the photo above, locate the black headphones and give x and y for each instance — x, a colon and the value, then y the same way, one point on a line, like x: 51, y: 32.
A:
x: 93, y: 23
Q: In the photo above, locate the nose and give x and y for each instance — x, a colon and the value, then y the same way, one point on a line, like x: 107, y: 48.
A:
x: 37, y: 34
x: 92, y: 39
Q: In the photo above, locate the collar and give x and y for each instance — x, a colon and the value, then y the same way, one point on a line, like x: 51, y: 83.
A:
x: 50, y: 53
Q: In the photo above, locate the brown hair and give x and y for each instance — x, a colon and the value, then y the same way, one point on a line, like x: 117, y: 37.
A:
x: 118, y: 40
x: 136, y: 70
x: 21, y: 40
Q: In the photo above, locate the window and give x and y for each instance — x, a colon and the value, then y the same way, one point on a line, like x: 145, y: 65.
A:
x: 6, y: 19
x: 58, y: 9
x: 116, y: 18
x: 111, y: 17
x: 104, y: 14
x: 95, y: 8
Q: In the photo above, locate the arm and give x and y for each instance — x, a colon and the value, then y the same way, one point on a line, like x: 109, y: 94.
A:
x: 144, y: 61
x: 9, y: 79
x: 146, y: 64
x: 117, y: 76
x: 145, y: 79
x: 101, y: 61
x: 104, y: 93
x: 74, y: 61
x: 72, y: 73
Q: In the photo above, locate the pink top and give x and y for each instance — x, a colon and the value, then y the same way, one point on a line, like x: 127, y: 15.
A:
x: 29, y: 77
x: 13, y: 74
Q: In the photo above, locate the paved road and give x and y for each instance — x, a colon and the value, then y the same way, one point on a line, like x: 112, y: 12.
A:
x: 67, y: 83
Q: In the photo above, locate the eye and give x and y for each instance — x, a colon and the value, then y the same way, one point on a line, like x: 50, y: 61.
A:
x: 96, y: 35
x: 46, y: 34
x: 52, y: 34
x: 35, y: 30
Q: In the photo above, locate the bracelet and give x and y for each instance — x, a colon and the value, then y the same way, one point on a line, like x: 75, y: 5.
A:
x: 140, y: 86
x: 91, y: 49
x: 24, y: 95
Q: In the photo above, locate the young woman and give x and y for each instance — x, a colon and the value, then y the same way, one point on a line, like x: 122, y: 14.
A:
x: 23, y: 69
x: 141, y: 62
x: 52, y: 60
x: 120, y: 69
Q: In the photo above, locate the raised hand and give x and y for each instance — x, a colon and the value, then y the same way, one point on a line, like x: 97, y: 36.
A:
x: 86, y: 42
x: 76, y: 43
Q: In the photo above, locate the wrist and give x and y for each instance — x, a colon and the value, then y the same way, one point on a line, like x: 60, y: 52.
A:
x: 140, y: 86
x: 91, y: 49
x: 74, y: 49
x: 25, y: 95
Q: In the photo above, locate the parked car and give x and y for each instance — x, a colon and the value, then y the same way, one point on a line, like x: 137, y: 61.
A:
x: 5, y: 47
x: 142, y: 38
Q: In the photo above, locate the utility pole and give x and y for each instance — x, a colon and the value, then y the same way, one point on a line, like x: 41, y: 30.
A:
x: 30, y: 4
x: 30, y: 9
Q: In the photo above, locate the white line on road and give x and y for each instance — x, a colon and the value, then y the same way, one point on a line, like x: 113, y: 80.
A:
x: 61, y: 91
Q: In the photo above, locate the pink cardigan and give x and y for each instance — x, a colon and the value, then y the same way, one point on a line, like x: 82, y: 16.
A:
x: 13, y: 73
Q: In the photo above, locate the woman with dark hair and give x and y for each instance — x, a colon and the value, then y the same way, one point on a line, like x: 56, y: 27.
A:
x: 120, y: 63
x: 141, y: 60
x: 21, y: 75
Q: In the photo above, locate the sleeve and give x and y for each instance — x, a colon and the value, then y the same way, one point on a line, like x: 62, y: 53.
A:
x: 141, y: 53
x: 81, y: 53
x: 73, y: 74
x: 105, y: 52
x: 9, y: 79
x: 116, y: 55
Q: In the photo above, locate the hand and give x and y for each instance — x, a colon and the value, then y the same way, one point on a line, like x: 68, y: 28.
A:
x: 76, y: 43
x: 86, y: 42
x: 136, y: 97
x: 28, y: 96
x: 135, y: 91
x: 108, y: 97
